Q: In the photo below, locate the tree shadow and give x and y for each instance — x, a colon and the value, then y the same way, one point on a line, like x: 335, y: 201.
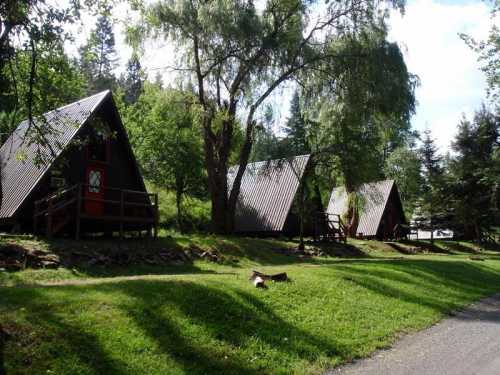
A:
x: 3, y: 338
x: 232, y: 317
x: 445, y: 282
x: 227, y: 319
x: 72, y: 343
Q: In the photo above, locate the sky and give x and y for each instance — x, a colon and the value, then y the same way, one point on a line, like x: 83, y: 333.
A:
x: 452, y: 84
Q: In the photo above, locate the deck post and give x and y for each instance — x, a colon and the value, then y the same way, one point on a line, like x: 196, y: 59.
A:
x: 78, y: 211
x: 122, y: 211
x: 49, y: 218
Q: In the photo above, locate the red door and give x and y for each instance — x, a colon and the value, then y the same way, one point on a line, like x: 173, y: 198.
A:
x: 94, y: 191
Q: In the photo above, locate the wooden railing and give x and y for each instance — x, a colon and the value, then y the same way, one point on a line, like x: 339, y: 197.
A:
x: 118, y: 205
x: 329, y: 227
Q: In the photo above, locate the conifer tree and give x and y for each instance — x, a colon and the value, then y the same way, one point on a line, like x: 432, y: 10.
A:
x: 98, y: 56
x: 133, y: 80
x: 296, y: 127
x: 431, y: 202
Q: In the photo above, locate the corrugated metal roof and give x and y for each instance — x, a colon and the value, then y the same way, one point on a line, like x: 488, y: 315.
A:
x: 374, y: 199
x: 267, y: 192
x: 20, y: 171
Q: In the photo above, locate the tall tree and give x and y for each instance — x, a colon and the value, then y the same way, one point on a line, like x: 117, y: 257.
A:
x: 354, y: 117
x: 296, y: 128
x: 475, y: 175
x: 133, y: 80
x: 238, y: 55
x: 98, y: 56
x: 431, y: 203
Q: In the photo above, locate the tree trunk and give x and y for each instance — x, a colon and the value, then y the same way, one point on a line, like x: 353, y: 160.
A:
x: 301, y: 216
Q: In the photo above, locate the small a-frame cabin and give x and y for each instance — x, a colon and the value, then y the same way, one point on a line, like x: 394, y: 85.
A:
x: 382, y: 216
x: 83, y: 179
x: 268, y: 190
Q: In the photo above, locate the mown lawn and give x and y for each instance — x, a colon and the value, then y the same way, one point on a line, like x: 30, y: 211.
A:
x: 210, y: 319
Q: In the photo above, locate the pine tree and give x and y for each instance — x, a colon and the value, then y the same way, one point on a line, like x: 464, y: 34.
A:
x: 474, y: 175
x: 133, y: 80
x: 296, y: 127
x: 431, y: 204
x: 98, y: 56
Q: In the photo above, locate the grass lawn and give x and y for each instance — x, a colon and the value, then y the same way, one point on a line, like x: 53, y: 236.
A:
x: 208, y: 318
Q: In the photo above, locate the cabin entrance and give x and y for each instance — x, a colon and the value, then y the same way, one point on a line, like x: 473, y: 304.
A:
x: 94, y: 190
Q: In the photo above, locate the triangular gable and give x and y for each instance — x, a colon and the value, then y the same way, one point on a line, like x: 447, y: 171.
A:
x: 20, y: 173
x: 375, y: 196
x: 267, y: 192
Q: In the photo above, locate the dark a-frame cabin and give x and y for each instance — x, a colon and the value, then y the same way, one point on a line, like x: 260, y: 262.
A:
x: 382, y: 216
x: 84, y: 179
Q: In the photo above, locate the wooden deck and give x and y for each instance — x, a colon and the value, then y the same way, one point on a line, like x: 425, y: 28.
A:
x: 69, y: 208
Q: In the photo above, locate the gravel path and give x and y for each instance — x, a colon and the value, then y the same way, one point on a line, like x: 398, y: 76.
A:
x: 466, y: 344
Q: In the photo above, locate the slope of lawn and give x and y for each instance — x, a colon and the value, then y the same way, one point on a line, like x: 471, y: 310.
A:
x: 209, y: 318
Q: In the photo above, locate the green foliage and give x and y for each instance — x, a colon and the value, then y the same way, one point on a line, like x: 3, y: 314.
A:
x: 488, y: 55
x: 404, y: 166
x: 474, y: 175
x: 237, y: 55
x: 133, y: 80
x: 195, y: 211
x: 163, y: 129
x: 58, y: 82
x: 297, y: 129
x: 98, y: 56
x: 433, y: 203
x: 358, y: 123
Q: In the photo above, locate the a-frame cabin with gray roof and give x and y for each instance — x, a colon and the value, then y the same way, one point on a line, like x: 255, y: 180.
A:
x: 382, y: 211
x: 83, y: 179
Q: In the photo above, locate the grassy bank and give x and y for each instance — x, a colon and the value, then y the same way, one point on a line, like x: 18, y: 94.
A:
x: 207, y: 318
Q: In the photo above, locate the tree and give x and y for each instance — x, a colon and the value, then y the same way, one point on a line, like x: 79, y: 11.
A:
x: 98, y: 55
x: 163, y: 131
x: 489, y: 52
x: 432, y: 199
x: 475, y: 175
x: 238, y: 55
x: 296, y: 128
x: 403, y: 165
x: 355, y: 118
x: 133, y: 80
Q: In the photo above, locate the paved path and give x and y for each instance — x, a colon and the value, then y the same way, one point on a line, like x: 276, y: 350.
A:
x: 466, y: 344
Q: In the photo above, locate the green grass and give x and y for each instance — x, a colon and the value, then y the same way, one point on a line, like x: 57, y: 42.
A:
x: 208, y: 318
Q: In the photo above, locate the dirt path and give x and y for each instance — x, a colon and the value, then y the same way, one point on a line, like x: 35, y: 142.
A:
x: 466, y: 344
x: 116, y: 279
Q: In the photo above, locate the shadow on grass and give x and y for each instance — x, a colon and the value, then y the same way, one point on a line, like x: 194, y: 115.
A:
x: 445, y: 283
x: 425, y: 245
x: 200, y: 328
x: 226, y: 320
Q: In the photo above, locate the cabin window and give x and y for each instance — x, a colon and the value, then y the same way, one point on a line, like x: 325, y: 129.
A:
x: 95, y: 181
x: 98, y: 150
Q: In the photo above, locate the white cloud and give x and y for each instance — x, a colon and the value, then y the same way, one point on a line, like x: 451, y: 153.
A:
x: 451, y: 82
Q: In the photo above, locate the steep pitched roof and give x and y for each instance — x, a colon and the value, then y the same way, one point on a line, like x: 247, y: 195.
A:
x: 267, y: 193
x: 375, y: 196
x: 20, y: 171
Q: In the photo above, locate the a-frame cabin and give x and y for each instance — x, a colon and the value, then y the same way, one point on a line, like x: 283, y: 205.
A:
x: 83, y: 179
x: 382, y: 215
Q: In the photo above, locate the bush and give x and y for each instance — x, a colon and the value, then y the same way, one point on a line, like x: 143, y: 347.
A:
x: 196, y: 212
